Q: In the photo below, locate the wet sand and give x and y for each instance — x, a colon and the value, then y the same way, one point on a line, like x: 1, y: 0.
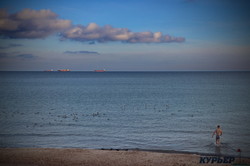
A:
x: 87, y: 157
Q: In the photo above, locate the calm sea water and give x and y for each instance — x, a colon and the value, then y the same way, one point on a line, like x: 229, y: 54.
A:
x: 126, y: 110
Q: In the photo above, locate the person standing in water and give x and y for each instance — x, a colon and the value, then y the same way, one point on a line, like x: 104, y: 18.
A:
x: 218, y: 133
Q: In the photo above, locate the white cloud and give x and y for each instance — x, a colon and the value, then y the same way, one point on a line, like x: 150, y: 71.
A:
x: 93, y: 32
x: 33, y: 24
x: 82, y: 52
x: 30, y: 23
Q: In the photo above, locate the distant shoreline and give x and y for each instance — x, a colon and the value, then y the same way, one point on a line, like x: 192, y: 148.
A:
x: 89, y: 157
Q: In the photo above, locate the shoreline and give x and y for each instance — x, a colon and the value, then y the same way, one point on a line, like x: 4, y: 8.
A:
x: 170, y: 151
x: 102, y: 157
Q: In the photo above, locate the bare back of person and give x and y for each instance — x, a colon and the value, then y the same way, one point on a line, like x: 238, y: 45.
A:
x: 218, y: 133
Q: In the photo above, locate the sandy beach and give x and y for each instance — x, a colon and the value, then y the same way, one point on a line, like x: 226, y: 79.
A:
x: 86, y: 157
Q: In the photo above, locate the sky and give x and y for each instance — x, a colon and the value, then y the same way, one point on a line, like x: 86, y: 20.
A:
x: 125, y: 35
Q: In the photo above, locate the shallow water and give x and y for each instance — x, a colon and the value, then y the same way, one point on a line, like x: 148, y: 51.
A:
x: 146, y: 110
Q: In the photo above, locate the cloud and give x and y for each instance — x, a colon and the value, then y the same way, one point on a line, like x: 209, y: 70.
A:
x: 3, y: 55
x: 2, y: 47
x: 31, y: 24
x: 91, y: 42
x: 81, y: 52
x: 11, y: 46
x: 15, y: 45
x: 93, y: 32
x: 26, y: 56
x: 15, y: 55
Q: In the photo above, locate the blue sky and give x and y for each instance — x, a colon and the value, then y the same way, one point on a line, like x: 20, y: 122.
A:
x: 131, y: 35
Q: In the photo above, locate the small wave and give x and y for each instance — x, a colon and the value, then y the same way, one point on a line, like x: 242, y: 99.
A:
x: 38, y: 135
x: 182, y: 131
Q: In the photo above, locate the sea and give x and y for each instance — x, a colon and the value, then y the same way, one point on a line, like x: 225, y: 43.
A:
x: 164, y: 111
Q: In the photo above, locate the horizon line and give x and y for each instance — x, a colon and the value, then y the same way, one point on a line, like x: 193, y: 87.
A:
x: 128, y: 71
